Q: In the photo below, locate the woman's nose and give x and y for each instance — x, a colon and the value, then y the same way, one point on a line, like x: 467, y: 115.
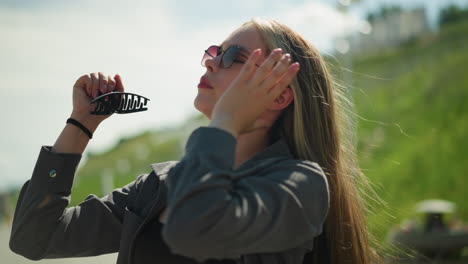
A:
x: 211, y: 64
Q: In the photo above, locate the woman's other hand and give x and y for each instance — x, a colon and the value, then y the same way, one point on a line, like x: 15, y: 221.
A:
x: 88, y: 87
x: 253, y: 91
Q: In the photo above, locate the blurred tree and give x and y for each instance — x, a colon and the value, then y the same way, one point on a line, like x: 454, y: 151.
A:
x: 383, y: 13
x: 452, y: 14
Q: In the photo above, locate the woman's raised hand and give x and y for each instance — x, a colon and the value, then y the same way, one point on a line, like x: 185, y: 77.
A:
x: 86, y: 88
x: 253, y: 91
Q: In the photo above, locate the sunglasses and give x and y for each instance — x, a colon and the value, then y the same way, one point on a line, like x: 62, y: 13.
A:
x: 233, y: 54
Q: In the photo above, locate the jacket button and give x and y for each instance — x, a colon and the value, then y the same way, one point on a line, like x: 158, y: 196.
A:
x: 52, y: 173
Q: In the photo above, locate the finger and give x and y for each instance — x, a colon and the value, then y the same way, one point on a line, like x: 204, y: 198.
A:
x: 102, y: 83
x: 278, y: 72
x: 110, y: 83
x: 267, y: 66
x: 95, y: 84
x: 250, y: 65
x: 85, y: 83
x: 285, y: 81
x: 118, y: 83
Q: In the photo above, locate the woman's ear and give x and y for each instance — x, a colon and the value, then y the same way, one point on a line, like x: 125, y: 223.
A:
x: 283, y: 100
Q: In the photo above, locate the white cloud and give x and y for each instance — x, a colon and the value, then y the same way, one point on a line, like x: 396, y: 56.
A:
x: 44, y: 51
x: 321, y: 23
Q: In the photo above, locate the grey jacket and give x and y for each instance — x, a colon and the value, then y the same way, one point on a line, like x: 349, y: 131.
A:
x: 269, y: 210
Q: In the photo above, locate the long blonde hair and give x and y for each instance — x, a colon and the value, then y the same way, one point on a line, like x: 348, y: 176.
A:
x: 314, y: 127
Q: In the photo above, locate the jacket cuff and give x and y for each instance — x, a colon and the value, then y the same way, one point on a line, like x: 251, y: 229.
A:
x: 54, y: 172
x: 215, y: 142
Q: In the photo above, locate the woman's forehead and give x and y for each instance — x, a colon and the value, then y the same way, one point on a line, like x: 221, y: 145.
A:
x: 245, y: 36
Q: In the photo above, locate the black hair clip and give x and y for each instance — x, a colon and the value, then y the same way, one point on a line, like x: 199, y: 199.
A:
x: 120, y: 103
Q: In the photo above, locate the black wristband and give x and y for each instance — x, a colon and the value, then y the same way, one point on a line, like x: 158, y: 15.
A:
x: 78, y: 124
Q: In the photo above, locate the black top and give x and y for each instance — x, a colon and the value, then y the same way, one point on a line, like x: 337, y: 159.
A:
x: 162, y: 253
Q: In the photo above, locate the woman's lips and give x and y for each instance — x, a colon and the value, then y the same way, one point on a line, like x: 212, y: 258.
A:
x: 204, y: 84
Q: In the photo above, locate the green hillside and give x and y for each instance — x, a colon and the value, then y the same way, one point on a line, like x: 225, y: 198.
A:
x: 130, y: 157
x: 413, y: 123
x: 412, y: 128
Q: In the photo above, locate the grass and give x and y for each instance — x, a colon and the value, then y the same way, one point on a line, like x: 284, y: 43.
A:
x: 412, y: 142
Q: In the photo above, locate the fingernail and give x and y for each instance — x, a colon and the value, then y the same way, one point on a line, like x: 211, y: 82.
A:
x: 277, y: 50
x: 296, y: 65
x: 287, y: 57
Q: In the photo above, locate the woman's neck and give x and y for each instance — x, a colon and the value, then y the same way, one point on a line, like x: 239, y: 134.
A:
x: 249, y: 144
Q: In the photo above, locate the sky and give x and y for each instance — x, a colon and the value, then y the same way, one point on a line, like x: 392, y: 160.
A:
x: 155, y: 45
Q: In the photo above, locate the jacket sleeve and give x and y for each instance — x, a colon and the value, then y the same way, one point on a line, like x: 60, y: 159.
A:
x: 214, y: 214
x: 44, y: 228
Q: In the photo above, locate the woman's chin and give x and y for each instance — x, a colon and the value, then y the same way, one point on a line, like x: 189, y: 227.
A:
x: 203, y: 108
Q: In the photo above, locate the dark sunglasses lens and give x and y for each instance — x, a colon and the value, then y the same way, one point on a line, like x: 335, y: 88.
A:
x: 211, y: 52
x: 229, y: 56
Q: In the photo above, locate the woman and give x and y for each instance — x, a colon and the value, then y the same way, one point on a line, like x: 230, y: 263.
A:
x: 266, y: 182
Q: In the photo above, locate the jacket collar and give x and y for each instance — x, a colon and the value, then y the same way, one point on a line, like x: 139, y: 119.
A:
x: 278, y: 149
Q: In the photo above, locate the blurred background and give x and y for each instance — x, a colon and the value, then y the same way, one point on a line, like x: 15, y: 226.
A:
x: 405, y: 63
